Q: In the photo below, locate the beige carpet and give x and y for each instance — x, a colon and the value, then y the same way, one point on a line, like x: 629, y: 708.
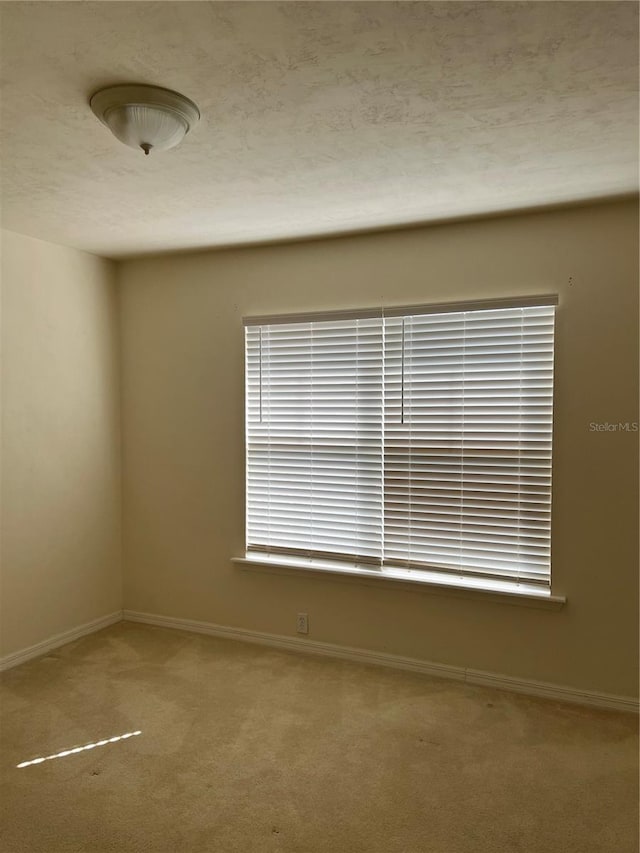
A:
x: 253, y: 750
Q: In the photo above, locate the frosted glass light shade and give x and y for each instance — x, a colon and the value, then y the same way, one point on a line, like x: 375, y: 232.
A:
x: 137, y: 126
x: 145, y: 117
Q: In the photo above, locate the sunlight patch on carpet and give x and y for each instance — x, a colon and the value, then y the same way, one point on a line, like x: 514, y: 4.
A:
x: 74, y: 750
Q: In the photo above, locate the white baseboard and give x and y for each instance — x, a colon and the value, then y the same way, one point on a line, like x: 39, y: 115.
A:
x: 555, y: 692
x: 469, y: 676
x: 59, y: 640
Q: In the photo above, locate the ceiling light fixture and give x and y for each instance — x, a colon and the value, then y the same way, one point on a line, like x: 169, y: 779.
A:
x: 146, y: 117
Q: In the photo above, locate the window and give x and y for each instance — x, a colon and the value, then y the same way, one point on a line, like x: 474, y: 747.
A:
x: 418, y: 441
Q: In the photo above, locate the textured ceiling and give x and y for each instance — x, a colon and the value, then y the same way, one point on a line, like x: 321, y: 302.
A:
x: 318, y: 117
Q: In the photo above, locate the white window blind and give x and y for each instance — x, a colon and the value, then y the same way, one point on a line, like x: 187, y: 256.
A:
x: 420, y: 440
x: 314, y: 438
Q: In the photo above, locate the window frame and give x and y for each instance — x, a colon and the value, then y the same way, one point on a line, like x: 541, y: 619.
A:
x: 280, y: 561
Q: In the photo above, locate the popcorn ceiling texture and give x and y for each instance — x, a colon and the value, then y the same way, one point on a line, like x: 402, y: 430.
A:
x: 318, y: 117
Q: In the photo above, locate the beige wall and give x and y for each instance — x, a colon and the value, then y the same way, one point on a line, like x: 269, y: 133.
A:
x: 61, y: 475
x: 182, y: 353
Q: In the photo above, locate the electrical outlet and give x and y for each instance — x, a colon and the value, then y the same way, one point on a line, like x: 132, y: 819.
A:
x: 302, y: 623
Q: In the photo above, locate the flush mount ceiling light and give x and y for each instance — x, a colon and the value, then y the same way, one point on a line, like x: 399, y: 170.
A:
x: 145, y: 117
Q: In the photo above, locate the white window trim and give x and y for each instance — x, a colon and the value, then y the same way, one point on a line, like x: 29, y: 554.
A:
x: 437, y: 582
x: 505, y: 592
x: 402, y: 310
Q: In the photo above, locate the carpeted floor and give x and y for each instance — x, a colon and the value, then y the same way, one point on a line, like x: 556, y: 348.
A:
x: 244, y: 749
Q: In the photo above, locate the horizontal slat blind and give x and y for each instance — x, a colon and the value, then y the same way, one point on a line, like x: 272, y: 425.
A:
x: 420, y: 440
x: 314, y: 438
x: 468, y: 422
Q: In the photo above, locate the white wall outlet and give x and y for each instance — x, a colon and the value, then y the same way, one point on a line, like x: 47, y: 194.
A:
x: 302, y: 623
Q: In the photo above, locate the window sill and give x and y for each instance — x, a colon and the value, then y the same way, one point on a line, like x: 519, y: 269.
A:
x: 505, y: 592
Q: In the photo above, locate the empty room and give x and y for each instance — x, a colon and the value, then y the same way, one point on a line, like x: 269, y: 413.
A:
x: 319, y: 364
